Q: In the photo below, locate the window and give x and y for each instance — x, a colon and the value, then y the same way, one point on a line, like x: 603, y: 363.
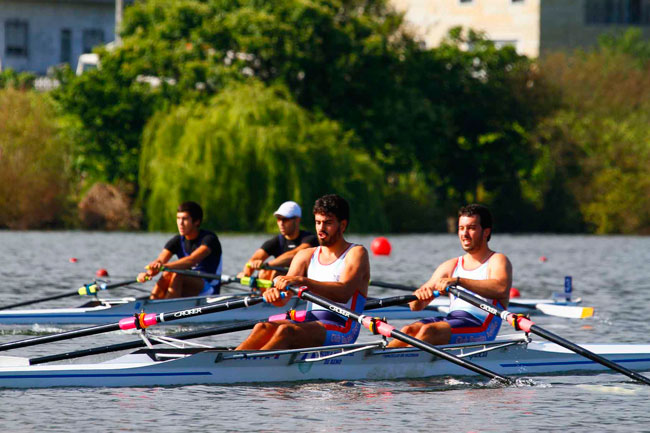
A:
x: 91, y: 38
x: 16, y: 32
x: 635, y: 12
x: 66, y: 45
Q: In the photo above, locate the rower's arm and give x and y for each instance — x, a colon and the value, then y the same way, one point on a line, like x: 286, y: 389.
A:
x: 285, y: 258
x: 192, y: 260
x: 425, y: 292
x: 498, y: 283
x: 255, y: 262
x: 355, y: 276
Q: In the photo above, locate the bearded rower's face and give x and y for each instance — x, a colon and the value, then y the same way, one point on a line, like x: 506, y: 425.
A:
x: 472, y: 236
x: 328, y: 229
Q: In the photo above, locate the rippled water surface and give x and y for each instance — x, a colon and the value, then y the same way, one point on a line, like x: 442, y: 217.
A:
x: 610, y: 273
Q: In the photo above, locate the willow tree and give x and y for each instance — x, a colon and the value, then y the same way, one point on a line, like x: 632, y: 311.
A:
x: 244, y: 152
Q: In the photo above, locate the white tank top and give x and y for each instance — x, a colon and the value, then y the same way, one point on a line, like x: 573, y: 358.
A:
x: 480, y: 273
x: 328, y: 273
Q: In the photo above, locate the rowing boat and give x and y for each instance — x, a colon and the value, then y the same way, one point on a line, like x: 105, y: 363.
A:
x: 106, y: 310
x: 511, y: 355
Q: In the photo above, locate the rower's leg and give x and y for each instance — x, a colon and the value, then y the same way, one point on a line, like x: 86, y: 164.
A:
x: 297, y: 335
x: 160, y: 289
x: 411, y: 330
x: 182, y: 286
x: 435, y: 333
x: 261, y: 334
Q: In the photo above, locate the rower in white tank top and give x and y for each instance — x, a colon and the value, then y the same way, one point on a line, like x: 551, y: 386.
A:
x: 332, y: 273
x: 480, y: 273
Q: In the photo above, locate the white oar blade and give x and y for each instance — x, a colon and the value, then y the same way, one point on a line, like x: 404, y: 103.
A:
x: 568, y: 311
x: 13, y: 361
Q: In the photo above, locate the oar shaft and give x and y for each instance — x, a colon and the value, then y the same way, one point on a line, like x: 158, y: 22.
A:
x: 525, y: 324
x: 61, y: 336
x: 392, y: 286
x: 217, y: 330
x: 35, y: 301
x: 383, y: 328
x: 86, y: 290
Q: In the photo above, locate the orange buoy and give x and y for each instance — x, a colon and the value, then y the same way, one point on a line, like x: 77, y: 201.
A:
x: 380, y: 246
x: 514, y: 293
x: 101, y: 273
x: 73, y: 260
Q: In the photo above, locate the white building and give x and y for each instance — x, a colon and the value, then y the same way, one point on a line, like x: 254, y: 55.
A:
x: 532, y: 26
x: 37, y: 34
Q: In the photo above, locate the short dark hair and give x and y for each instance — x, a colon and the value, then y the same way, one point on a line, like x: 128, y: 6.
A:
x: 333, y: 204
x: 192, y: 208
x: 483, y: 213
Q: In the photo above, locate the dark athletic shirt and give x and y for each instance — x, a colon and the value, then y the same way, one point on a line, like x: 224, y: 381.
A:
x: 205, y: 237
x: 279, y: 245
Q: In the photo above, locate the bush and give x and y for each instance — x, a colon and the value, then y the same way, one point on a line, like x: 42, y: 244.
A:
x: 34, y: 178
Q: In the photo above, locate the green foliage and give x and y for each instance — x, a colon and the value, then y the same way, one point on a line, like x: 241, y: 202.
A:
x: 105, y: 111
x: 240, y: 160
x: 17, y: 80
x: 494, y: 98
x: 599, y: 142
x: 33, y: 162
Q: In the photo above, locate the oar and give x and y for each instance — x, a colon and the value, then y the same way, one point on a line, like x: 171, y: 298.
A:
x: 87, y: 289
x: 378, y: 326
x: 270, y: 267
x: 217, y: 330
x: 138, y: 321
x: 566, y: 311
x: 520, y: 322
x: 245, y: 281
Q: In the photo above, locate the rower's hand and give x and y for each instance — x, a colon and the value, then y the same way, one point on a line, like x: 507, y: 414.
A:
x: 255, y: 264
x: 425, y: 292
x: 282, y: 281
x: 425, y: 296
x: 154, y: 267
x: 142, y: 277
x: 274, y: 296
x: 442, y: 284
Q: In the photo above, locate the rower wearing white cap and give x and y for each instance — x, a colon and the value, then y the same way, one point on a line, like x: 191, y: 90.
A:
x: 285, y: 245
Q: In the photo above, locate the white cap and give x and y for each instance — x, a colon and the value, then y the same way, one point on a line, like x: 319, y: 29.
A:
x: 289, y: 209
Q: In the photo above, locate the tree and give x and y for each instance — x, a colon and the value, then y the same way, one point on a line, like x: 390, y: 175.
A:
x: 240, y: 160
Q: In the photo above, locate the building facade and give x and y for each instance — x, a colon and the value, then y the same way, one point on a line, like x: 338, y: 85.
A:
x: 532, y: 26
x: 38, y: 34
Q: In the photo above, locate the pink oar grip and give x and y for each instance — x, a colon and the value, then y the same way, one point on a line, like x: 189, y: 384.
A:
x: 382, y: 328
x: 520, y: 322
x: 299, y: 316
x: 129, y: 322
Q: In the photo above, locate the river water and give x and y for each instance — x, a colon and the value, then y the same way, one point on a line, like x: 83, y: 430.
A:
x: 610, y: 273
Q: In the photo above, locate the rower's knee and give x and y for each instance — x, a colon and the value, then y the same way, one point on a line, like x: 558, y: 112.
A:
x: 435, y: 333
x: 412, y: 329
x: 285, y: 331
x: 265, y: 327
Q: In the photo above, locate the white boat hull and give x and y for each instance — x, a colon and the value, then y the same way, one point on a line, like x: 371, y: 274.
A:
x: 221, y: 367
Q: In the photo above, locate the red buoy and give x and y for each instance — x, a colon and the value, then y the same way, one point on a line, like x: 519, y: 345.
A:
x: 380, y: 246
x: 101, y: 272
x: 73, y: 260
x: 514, y: 293
x: 542, y: 259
